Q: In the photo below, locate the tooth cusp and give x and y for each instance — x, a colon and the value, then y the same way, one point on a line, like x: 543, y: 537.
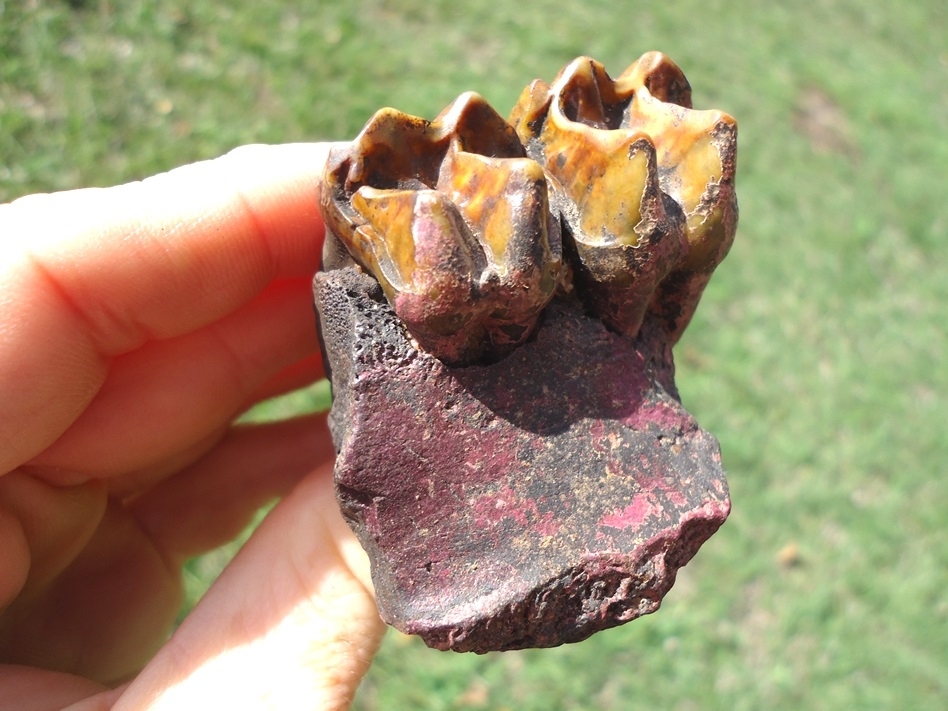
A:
x: 672, y: 200
x: 614, y: 190
x: 453, y: 221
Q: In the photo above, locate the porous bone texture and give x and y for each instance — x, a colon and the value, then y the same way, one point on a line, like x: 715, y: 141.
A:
x: 524, y: 503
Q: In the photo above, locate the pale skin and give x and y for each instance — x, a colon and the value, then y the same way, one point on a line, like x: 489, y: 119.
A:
x: 136, y: 323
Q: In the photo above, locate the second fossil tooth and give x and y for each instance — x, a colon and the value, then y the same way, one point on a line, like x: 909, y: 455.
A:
x: 648, y: 184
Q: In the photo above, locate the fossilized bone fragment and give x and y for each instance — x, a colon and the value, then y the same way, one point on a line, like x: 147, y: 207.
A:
x: 498, y: 306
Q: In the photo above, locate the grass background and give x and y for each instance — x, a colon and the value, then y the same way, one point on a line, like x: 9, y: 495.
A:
x: 817, y: 356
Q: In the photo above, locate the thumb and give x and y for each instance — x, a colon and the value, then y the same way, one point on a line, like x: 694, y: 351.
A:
x: 290, y: 624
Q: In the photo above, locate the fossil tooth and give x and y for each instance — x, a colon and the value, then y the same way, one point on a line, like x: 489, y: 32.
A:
x: 454, y: 222
x: 506, y: 204
x: 648, y: 184
x: 697, y: 153
x: 625, y: 233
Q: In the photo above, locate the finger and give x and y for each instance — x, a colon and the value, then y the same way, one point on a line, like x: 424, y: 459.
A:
x: 105, y: 626
x: 91, y: 274
x: 105, y: 614
x: 212, y: 501
x: 160, y: 257
x: 42, y: 529
x: 288, y: 624
x: 165, y: 397
x: 302, y: 373
x: 29, y: 689
x: 16, y: 557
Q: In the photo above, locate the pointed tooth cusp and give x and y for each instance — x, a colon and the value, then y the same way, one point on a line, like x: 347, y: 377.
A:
x: 475, y: 127
x: 660, y: 76
x: 530, y: 111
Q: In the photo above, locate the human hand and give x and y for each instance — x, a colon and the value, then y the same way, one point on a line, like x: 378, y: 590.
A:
x: 136, y: 323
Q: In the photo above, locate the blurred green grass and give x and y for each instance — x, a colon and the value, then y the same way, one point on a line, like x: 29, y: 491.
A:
x: 817, y: 356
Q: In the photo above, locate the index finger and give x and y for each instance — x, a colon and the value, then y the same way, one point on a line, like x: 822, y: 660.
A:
x: 89, y: 274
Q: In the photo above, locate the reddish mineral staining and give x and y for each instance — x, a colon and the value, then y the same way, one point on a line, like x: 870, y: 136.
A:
x: 498, y: 307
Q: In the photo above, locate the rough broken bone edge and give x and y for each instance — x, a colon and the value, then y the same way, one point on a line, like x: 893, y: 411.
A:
x: 527, y: 503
